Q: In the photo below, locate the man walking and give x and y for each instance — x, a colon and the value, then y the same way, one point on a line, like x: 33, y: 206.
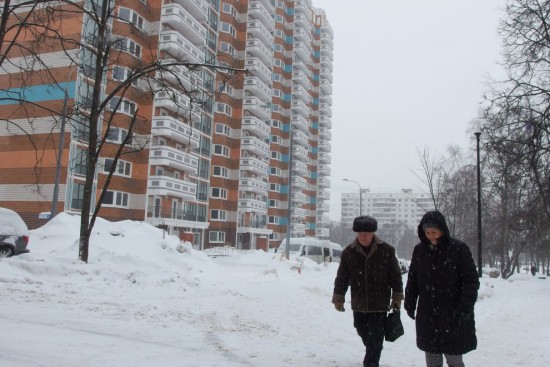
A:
x: 369, y: 266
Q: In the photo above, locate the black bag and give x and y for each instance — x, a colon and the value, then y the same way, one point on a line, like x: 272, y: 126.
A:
x: 393, y: 328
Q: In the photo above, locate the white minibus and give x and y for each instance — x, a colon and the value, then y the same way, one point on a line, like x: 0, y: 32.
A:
x: 320, y: 251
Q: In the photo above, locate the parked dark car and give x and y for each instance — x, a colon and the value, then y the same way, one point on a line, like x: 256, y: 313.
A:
x: 14, y: 234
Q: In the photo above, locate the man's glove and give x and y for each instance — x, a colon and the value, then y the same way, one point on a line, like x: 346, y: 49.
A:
x: 411, y: 314
x: 395, y: 304
x: 339, y: 307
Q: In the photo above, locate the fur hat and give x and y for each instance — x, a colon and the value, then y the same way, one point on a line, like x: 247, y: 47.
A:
x: 365, y: 223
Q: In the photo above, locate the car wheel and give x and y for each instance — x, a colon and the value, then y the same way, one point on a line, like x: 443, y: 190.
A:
x: 6, y: 251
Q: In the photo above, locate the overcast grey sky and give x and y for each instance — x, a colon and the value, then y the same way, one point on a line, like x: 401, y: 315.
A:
x: 408, y: 74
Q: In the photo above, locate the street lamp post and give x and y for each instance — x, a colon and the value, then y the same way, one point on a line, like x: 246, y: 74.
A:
x: 360, y: 195
x: 477, y: 132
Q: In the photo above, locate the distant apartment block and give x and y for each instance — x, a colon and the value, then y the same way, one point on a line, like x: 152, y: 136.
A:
x: 389, y: 208
x: 217, y: 170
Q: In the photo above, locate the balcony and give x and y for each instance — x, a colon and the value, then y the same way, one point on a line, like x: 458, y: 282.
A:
x: 255, y: 145
x: 326, y: 40
x: 303, y: 20
x: 326, y: 109
x: 323, y: 195
x: 300, y: 107
x: 300, y: 138
x: 258, y: 10
x: 300, y: 153
x: 326, y: 73
x: 325, y: 121
x: 301, y: 93
x: 255, y: 165
x: 300, y: 123
x: 299, y: 77
x: 257, y: 88
x: 251, y: 184
x: 257, y: 49
x: 302, y: 6
x: 297, y: 230
x: 325, y: 133
x: 171, y: 157
x: 177, y: 103
x: 259, y: 31
x: 177, y: 75
x: 256, y: 107
x: 302, y: 50
x: 197, y: 8
x: 326, y: 62
x: 181, y: 132
x: 323, y: 182
x: 298, y: 212
x: 326, y: 98
x: 326, y: 51
x: 176, y: 45
x: 300, y: 168
x: 300, y: 182
x: 252, y: 205
x: 322, y: 232
x: 326, y: 86
x: 324, y: 158
x: 324, y: 146
x: 259, y: 69
x: 300, y: 34
x: 179, y: 19
x: 255, y: 224
x: 256, y: 127
x: 166, y: 185
x: 323, y: 170
x: 299, y: 198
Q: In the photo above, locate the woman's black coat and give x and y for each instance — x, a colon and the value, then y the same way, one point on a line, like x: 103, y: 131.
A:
x: 444, y: 280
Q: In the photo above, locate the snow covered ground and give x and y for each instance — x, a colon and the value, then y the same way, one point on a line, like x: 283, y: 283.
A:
x: 145, y: 300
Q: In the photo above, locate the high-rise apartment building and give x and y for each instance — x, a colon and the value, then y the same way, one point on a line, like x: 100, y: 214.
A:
x: 221, y: 164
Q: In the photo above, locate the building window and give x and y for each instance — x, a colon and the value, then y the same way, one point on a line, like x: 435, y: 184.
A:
x: 273, y: 203
x: 124, y: 106
x: 223, y: 129
x: 219, y: 193
x: 220, y: 171
x: 221, y: 150
x: 128, y: 45
x: 122, y: 74
x: 227, y: 48
x: 77, y: 197
x: 276, y: 155
x: 124, y: 168
x: 229, y: 10
x: 273, y: 220
x: 275, y: 187
x: 228, y: 28
x: 216, y: 237
x: 276, y: 171
x: 276, y: 139
x: 225, y: 88
x: 117, y: 135
x: 217, y: 214
x: 116, y: 199
x: 131, y: 16
x: 224, y: 108
x: 80, y: 162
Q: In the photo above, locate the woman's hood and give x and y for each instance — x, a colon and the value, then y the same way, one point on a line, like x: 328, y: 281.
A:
x: 436, y: 218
